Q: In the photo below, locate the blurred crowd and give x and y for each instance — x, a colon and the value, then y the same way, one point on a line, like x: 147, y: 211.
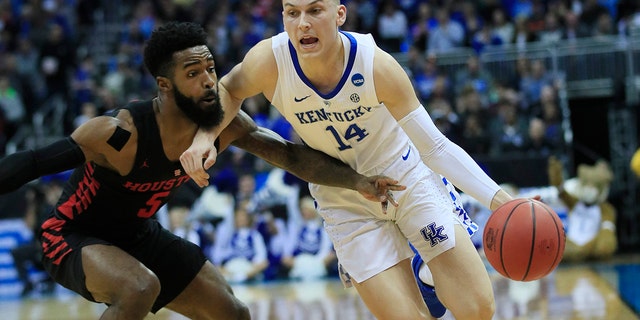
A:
x: 65, y: 61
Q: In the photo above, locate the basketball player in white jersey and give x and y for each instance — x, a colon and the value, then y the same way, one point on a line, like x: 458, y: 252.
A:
x: 346, y: 97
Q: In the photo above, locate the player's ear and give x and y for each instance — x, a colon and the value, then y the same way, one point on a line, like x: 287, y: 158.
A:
x: 164, y: 84
x: 342, y: 15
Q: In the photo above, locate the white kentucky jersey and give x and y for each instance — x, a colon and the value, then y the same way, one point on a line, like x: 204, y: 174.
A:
x: 348, y: 123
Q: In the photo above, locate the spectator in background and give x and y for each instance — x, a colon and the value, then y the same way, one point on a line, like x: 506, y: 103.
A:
x: 474, y: 122
x: 425, y: 77
x: 309, y: 253
x: 275, y: 206
x: 414, y: 62
x: 180, y: 222
x: 502, y: 27
x: 11, y: 107
x: 442, y: 88
x: 603, y: 26
x: 471, y: 21
x: 447, y: 35
x: 57, y: 59
x: 120, y: 79
x: 522, y: 35
x: 520, y: 70
x: 536, y: 20
x: 508, y: 130
x: 41, y: 198
x: 219, y: 36
x: 409, y: 7
x: 474, y: 136
x: 628, y: 18
x: 239, y: 248
x: 484, y: 37
x: 532, y: 83
x: 445, y: 119
x: 537, y: 144
x: 552, y: 31
x: 83, y: 83
x: 88, y: 111
x: 592, y: 10
x: 469, y: 102
x: 421, y: 27
x: 549, y: 111
x: 33, y: 87
x: 366, y: 13
x: 573, y: 29
x: 392, y: 27
x: 475, y: 75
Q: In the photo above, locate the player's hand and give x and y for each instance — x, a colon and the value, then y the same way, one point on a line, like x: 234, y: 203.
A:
x: 378, y: 189
x: 202, y: 148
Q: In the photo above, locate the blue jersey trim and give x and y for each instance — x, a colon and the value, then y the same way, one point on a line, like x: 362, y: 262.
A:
x: 345, y: 75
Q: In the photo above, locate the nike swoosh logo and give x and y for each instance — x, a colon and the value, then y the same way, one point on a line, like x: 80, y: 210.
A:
x: 301, y: 99
x: 406, y: 156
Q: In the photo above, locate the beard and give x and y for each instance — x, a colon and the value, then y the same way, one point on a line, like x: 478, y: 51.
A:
x: 206, y: 118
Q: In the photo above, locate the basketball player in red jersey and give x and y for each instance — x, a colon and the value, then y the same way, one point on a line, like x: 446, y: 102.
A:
x: 100, y: 240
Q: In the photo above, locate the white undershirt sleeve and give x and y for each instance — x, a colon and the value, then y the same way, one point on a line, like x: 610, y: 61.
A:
x: 447, y: 158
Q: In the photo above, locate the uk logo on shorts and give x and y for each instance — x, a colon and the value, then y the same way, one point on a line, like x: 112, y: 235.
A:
x: 433, y: 234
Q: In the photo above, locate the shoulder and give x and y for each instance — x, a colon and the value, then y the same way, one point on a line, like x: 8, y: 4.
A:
x: 103, y: 126
x: 361, y: 38
x: 95, y: 137
x: 385, y: 67
x: 260, y: 53
x: 260, y: 59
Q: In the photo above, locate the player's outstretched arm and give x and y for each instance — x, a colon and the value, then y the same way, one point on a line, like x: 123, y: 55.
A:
x: 21, y: 167
x: 304, y: 162
x: 97, y: 140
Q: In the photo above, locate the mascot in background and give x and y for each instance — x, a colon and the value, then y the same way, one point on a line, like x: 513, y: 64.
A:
x: 591, y: 223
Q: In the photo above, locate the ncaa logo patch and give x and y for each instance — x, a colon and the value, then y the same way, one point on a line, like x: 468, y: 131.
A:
x: 357, y: 79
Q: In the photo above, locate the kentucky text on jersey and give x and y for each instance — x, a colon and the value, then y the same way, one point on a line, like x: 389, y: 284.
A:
x: 312, y: 116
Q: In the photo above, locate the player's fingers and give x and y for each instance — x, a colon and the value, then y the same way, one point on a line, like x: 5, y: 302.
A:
x: 384, y: 205
x: 195, y: 171
x: 211, y: 159
x: 392, y: 199
x: 391, y: 184
x: 396, y: 187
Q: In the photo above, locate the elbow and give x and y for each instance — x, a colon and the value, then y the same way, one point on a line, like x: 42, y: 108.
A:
x: 436, y: 150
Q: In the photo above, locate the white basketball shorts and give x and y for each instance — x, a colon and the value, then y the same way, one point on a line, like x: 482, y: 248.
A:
x: 368, y: 241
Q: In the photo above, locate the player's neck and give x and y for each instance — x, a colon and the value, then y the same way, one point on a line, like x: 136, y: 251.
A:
x: 325, y: 71
x: 170, y: 118
x: 176, y: 130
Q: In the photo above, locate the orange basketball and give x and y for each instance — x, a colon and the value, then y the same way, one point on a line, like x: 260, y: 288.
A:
x: 524, y: 239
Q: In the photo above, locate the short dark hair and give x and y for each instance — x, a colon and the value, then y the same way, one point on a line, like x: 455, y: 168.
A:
x: 168, y: 39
